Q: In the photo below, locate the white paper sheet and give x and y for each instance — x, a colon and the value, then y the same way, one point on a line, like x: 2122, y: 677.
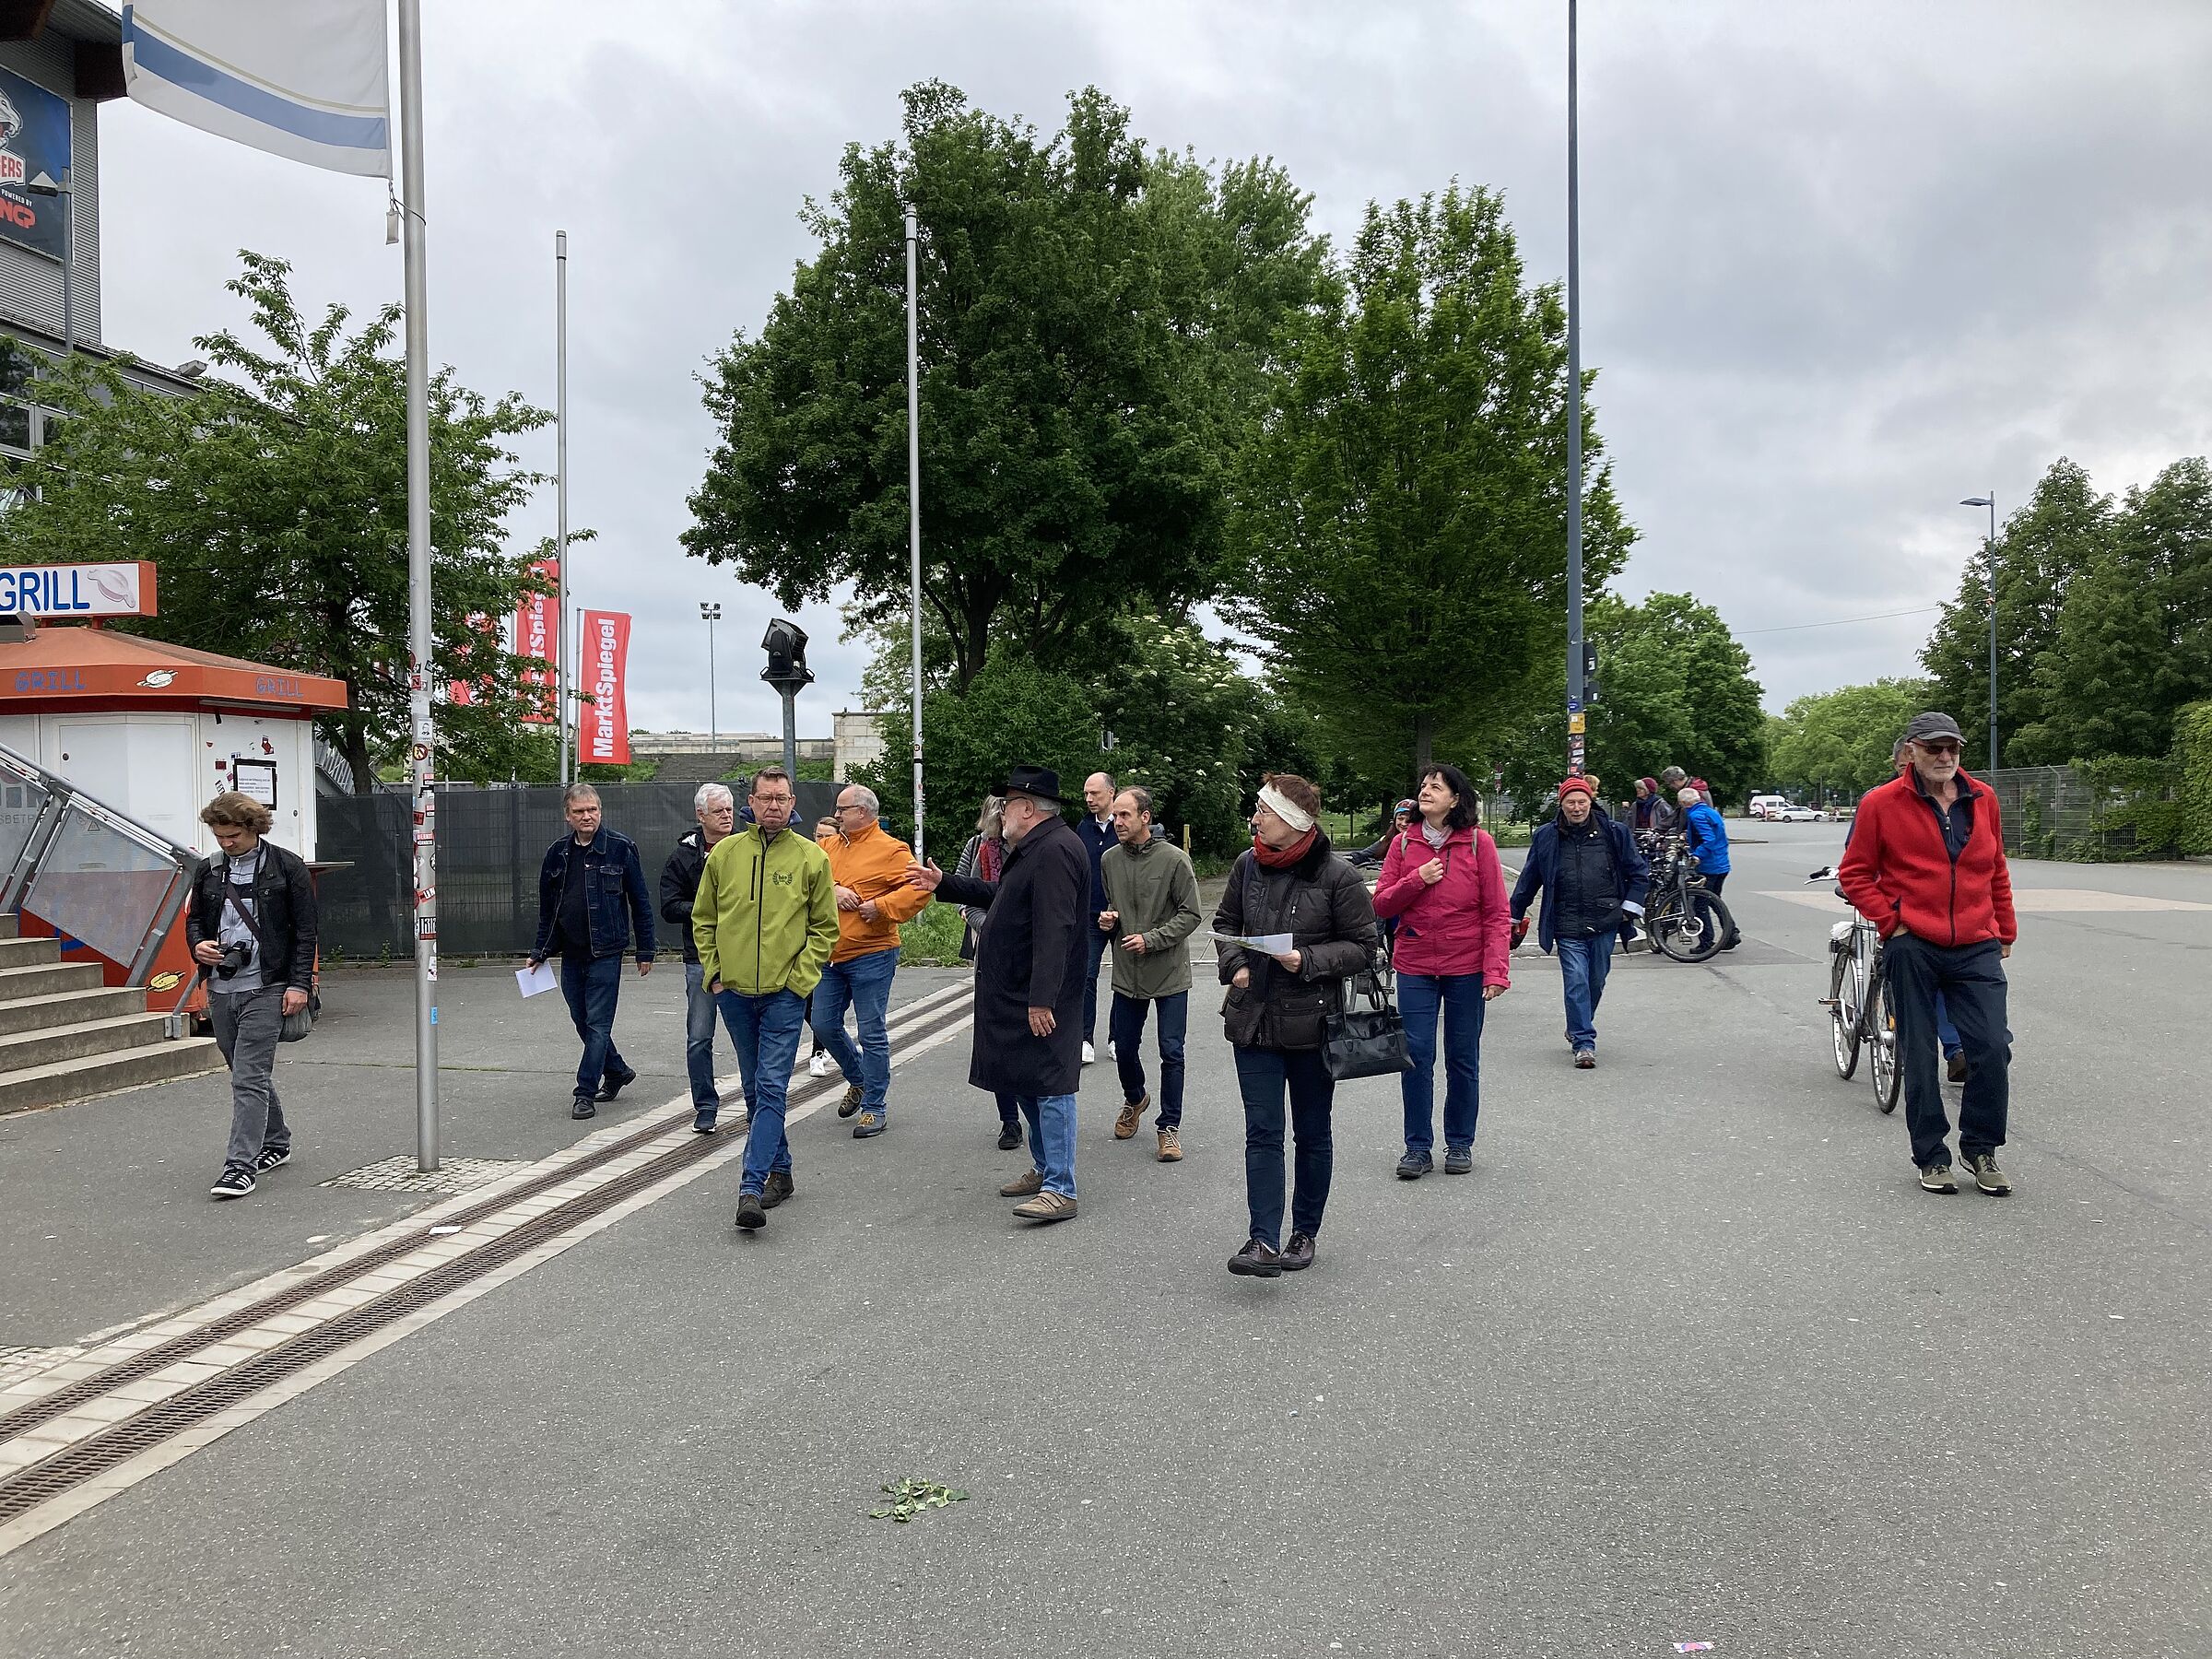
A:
x: 534, y: 981
x: 1266, y: 944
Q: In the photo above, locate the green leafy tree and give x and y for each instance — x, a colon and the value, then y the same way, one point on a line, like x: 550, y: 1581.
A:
x: 274, y: 502
x: 1401, y: 523
x: 2063, y: 527
x: 1095, y: 323
x: 1840, y: 742
x: 2135, y: 633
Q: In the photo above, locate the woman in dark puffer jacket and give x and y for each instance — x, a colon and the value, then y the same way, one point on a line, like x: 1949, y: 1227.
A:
x: 1291, y: 882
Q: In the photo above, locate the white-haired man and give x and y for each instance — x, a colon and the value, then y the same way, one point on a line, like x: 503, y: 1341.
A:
x: 869, y: 865
x: 716, y: 809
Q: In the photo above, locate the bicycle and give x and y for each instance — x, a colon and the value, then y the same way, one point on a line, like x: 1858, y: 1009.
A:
x: 1861, y: 1007
x: 1683, y: 919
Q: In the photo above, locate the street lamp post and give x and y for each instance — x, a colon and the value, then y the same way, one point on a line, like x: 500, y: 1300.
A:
x: 711, y: 614
x: 44, y: 185
x: 1990, y: 549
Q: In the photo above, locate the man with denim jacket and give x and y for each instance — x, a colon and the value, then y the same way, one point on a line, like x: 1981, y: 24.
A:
x: 590, y: 892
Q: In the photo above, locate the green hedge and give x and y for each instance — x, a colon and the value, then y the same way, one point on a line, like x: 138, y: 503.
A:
x: 2193, y: 777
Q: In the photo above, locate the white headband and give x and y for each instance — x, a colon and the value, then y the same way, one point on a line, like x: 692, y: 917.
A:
x: 1277, y: 802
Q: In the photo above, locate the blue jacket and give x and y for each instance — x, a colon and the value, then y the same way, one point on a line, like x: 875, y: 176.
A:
x: 1098, y: 842
x: 614, y: 893
x: 1631, y: 873
x: 1708, y: 839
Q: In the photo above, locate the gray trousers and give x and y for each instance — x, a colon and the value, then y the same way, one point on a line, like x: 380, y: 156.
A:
x: 245, y: 1030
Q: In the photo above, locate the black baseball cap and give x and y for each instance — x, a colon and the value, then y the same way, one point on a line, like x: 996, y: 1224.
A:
x: 1933, y: 724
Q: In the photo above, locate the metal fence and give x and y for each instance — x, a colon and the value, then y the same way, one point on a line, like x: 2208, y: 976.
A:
x: 2061, y: 812
x: 491, y: 845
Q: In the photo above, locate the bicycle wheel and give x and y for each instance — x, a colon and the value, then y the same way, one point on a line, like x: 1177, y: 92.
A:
x: 1693, y: 932
x: 1843, y: 1012
x: 1885, y: 1069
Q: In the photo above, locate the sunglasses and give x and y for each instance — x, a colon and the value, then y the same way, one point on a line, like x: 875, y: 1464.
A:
x: 1942, y: 745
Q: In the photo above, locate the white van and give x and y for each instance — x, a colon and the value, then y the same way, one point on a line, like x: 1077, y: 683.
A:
x: 1762, y: 804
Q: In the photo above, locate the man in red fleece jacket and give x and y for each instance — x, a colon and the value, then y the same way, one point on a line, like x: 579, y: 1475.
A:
x: 1926, y: 865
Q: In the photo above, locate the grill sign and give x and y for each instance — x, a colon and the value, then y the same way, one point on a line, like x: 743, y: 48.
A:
x: 78, y: 590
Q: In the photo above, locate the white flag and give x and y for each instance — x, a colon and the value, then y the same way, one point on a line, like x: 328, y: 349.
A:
x: 300, y: 78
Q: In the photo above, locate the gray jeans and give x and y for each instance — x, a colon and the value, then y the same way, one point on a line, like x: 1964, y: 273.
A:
x: 245, y: 1030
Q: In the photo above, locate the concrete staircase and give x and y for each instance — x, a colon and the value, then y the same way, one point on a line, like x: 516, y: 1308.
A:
x: 65, y: 1036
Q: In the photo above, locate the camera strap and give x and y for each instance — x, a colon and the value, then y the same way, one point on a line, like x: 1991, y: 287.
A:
x: 261, y: 944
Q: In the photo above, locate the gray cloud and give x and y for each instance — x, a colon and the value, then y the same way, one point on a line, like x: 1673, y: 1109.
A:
x: 1841, y: 266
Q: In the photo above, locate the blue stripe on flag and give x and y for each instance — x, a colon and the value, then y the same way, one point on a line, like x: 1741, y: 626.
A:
x: 158, y: 57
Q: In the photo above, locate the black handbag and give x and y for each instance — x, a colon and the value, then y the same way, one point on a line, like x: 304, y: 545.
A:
x: 1367, y: 1042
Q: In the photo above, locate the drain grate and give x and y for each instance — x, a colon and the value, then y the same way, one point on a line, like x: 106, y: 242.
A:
x: 453, y: 1175
x: 72, y: 1465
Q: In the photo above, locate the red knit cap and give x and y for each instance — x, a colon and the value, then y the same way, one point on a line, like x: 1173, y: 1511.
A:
x: 1582, y: 783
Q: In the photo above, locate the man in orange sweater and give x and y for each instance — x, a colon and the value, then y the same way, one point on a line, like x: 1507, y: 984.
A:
x: 1926, y: 865
x: 868, y: 866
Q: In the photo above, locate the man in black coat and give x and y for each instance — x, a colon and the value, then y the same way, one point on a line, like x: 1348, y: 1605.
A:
x: 1029, y: 976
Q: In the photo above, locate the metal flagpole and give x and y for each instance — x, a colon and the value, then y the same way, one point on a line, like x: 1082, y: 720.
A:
x: 1575, y: 716
x: 914, y: 502
x: 560, y: 489
x: 419, y: 591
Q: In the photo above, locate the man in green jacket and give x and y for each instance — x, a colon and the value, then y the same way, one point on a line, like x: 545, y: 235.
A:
x: 765, y: 921
x: 1151, y: 910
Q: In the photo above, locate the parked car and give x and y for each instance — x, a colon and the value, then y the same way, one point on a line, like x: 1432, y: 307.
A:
x: 1763, y: 806
x: 1788, y: 814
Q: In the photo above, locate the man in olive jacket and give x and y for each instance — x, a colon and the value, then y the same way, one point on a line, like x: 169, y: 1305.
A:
x: 765, y: 921
x: 1151, y: 908
x: 1030, y: 962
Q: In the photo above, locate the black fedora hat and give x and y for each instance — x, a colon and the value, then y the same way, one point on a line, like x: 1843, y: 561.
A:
x: 1039, y: 782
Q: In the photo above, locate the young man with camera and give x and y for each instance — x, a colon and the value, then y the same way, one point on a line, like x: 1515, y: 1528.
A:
x: 251, y: 925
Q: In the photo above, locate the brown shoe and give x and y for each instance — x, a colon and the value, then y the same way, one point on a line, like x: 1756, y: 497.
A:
x: 1125, y: 1126
x: 1171, y: 1145
x: 1955, y: 1067
x: 1047, y: 1206
x: 777, y: 1188
x: 1022, y: 1185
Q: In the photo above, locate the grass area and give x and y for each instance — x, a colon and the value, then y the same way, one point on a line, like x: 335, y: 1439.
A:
x: 933, y: 938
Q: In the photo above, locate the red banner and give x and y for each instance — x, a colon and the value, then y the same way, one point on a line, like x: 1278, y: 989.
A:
x: 606, y: 670
x: 464, y: 692
x: 536, y: 624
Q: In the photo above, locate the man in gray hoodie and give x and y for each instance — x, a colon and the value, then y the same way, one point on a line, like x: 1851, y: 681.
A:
x: 1151, y: 911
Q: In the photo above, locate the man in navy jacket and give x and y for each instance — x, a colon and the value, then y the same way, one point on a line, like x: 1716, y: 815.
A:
x: 1593, y: 881
x: 591, y: 889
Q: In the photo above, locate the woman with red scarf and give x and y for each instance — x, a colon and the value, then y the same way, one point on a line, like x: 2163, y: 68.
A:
x: 1293, y: 886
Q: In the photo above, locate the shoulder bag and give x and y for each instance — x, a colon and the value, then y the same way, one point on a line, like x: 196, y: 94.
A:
x: 1369, y: 1041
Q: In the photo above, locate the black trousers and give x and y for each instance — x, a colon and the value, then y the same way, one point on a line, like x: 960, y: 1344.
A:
x: 1972, y: 978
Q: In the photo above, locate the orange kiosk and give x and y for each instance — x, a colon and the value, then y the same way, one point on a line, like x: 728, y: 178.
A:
x: 148, y: 730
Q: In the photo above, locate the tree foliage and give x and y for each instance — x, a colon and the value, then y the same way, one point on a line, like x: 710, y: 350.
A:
x: 1094, y: 322
x: 274, y: 502
x: 1841, y: 741
x: 1401, y: 527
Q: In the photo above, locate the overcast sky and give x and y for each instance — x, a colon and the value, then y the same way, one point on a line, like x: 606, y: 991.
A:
x: 1841, y: 264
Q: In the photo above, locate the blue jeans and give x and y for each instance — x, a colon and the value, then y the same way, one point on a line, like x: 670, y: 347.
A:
x: 1583, y: 964
x: 1946, y: 1033
x: 1052, y: 1120
x: 1098, y: 941
x: 1128, y: 1029
x: 698, y: 1040
x: 1456, y: 999
x: 864, y: 983
x: 1263, y: 1077
x: 765, y: 1032
x: 1970, y: 980
x: 590, y: 985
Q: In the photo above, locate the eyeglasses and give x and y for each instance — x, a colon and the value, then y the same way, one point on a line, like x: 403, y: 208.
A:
x: 849, y: 806
x: 774, y: 800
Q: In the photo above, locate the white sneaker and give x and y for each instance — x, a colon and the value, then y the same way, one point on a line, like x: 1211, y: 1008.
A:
x: 1109, y: 1048
x: 1090, y: 1053
x: 818, y: 1066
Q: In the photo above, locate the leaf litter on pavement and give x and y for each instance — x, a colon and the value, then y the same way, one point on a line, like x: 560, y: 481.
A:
x: 912, y: 1496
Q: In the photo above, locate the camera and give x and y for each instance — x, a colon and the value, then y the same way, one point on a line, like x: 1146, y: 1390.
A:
x: 234, y: 958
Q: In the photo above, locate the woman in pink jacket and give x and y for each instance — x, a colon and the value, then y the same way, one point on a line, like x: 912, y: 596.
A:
x: 1441, y: 882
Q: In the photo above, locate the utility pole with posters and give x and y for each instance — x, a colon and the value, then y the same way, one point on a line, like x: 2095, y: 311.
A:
x: 1575, y: 659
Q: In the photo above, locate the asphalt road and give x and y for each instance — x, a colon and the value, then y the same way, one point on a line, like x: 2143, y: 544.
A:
x: 1689, y: 1358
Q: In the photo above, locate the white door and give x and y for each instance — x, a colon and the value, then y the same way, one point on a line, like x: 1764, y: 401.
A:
x: 139, y: 764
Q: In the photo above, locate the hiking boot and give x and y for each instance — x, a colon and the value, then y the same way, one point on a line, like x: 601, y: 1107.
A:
x: 271, y: 1158
x: 1022, y: 1185
x: 1125, y: 1125
x: 610, y: 1086
x: 778, y: 1188
x: 583, y: 1108
x: 871, y: 1123
x: 1258, y: 1259
x: 851, y: 1103
x: 234, y: 1183
x: 1586, y: 1058
x: 1009, y: 1136
x: 1415, y: 1165
x: 752, y: 1215
x: 1047, y: 1206
x: 1954, y: 1066
x: 1936, y: 1178
x: 1459, y: 1160
x: 1171, y: 1145
x: 1988, y: 1177
x: 1298, y: 1256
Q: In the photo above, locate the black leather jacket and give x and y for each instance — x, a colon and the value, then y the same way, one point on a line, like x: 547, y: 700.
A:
x: 284, y: 910
x: 1322, y: 903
